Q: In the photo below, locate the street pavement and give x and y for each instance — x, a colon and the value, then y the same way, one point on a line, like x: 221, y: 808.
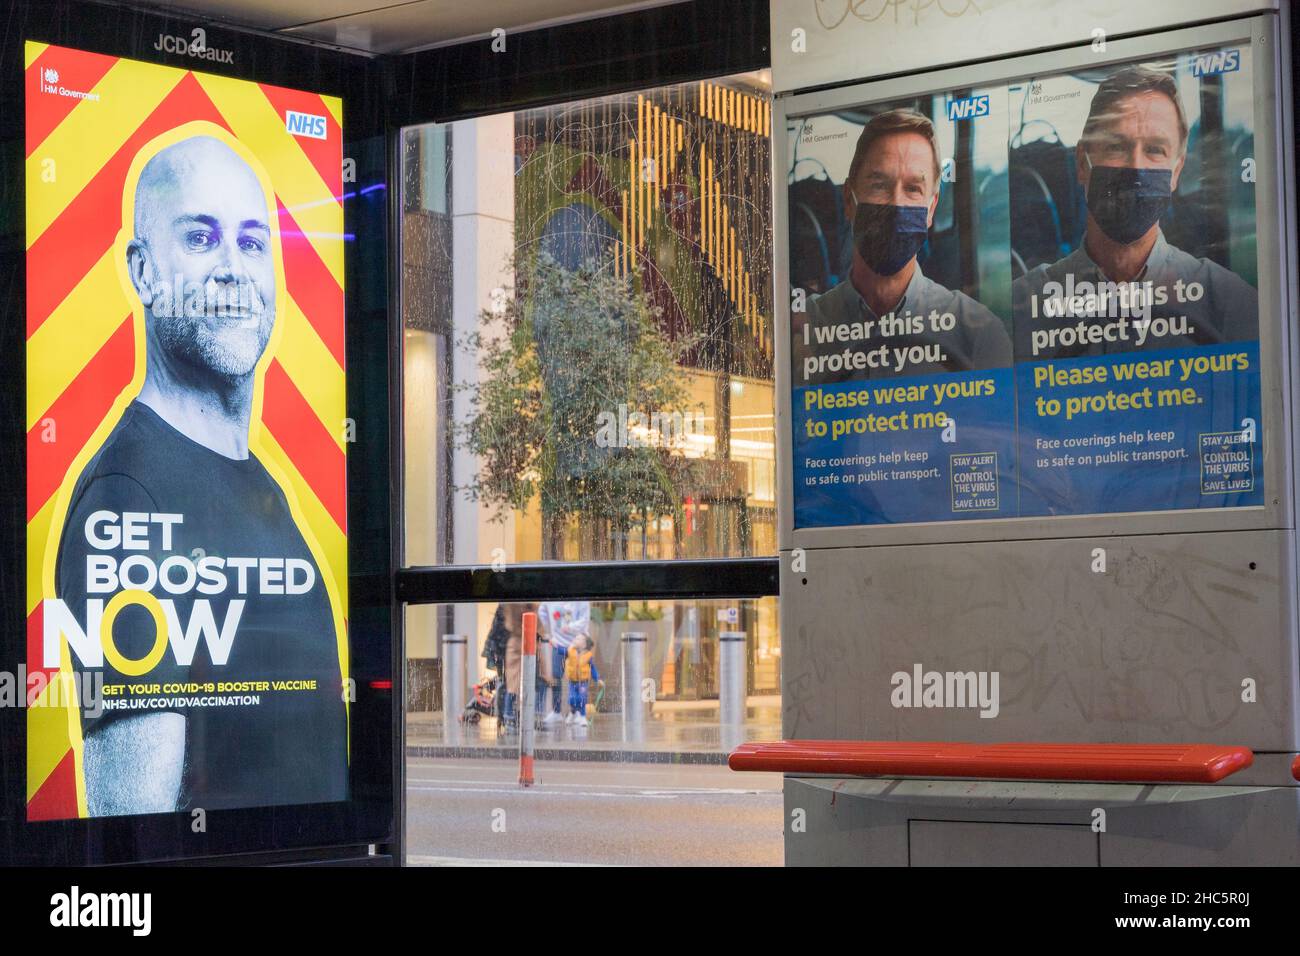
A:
x: 670, y: 726
x: 472, y: 812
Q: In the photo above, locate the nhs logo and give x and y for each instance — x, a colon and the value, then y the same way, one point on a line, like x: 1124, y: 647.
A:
x: 305, y: 124
x: 968, y: 108
x: 1225, y: 61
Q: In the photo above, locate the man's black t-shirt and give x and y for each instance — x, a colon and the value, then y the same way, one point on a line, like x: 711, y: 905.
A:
x: 290, y: 746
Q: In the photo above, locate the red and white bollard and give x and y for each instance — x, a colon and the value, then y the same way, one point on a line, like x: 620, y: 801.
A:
x: 527, y: 687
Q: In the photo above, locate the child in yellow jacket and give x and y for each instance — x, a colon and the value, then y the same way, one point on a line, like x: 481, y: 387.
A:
x: 580, y: 670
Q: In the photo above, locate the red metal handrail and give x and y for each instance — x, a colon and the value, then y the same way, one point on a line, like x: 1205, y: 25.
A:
x: 1112, y: 763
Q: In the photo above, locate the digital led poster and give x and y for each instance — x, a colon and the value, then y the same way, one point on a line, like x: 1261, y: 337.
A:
x: 186, y: 542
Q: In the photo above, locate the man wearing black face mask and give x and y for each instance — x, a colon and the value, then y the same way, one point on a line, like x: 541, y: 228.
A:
x: 890, y: 196
x: 1129, y: 160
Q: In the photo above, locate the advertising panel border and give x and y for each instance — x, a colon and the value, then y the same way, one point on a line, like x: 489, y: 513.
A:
x: 1276, y: 342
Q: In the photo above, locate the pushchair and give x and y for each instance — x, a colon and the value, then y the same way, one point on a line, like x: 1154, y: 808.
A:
x: 488, y: 699
x: 485, y: 700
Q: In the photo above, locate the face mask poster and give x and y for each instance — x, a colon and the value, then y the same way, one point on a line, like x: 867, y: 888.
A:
x: 1031, y: 299
x: 186, y: 538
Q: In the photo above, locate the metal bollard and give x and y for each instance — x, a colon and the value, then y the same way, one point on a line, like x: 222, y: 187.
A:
x: 454, y: 685
x: 634, y: 647
x: 731, y: 688
x: 527, y: 678
x: 692, y: 634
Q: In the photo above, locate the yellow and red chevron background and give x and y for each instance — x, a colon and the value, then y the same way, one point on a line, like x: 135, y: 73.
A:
x: 85, y: 345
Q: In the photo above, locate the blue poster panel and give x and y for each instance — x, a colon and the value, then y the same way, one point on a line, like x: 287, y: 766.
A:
x: 1028, y: 300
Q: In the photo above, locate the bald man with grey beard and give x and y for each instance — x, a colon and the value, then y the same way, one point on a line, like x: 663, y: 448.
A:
x: 201, y: 262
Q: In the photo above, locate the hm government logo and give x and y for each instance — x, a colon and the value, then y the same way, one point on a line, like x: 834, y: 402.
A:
x: 48, y: 81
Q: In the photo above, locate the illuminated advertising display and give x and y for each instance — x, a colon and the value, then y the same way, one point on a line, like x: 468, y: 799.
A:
x: 186, y: 504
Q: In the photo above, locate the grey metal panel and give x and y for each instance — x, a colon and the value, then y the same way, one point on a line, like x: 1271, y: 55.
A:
x: 966, y: 843
x: 1284, y: 145
x: 1200, y: 826
x: 846, y: 39
x: 1153, y: 650
x: 867, y: 822
x: 1277, y: 348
